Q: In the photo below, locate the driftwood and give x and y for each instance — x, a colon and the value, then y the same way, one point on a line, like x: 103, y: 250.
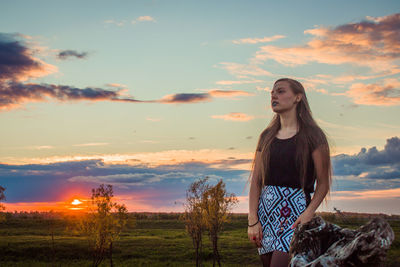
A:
x: 320, y: 243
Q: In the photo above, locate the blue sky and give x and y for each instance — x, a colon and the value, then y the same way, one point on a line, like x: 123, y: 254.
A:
x: 150, y: 95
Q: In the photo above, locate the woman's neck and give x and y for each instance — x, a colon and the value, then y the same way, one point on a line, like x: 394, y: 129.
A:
x: 288, y: 121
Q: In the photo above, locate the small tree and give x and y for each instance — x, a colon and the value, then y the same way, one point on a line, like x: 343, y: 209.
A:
x: 193, y: 216
x: 103, y: 224
x: 216, y: 205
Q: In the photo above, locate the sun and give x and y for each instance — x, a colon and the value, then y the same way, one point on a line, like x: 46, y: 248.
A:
x: 76, y: 202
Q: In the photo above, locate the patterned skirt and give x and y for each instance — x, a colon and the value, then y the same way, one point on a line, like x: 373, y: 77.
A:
x: 277, y: 233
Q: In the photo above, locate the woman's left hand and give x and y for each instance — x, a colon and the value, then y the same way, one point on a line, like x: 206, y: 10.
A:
x: 306, y: 216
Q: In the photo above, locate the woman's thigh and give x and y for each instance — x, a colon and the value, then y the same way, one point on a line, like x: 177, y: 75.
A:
x: 266, y: 259
x: 275, y: 258
x: 280, y: 259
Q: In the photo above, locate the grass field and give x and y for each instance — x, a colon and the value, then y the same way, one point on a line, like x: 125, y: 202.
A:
x: 155, y: 240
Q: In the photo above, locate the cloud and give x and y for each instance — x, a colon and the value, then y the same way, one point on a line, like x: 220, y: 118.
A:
x: 244, y: 70
x: 185, y: 98
x: 228, y: 93
x: 258, y: 40
x: 131, y: 178
x: 145, y: 18
x: 14, y: 94
x: 394, y: 192
x: 152, y: 119
x: 42, y: 147
x: 372, y: 43
x: 118, y: 23
x: 150, y: 159
x: 65, y: 54
x: 234, y: 116
x: 116, y: 85
x: 17, y: 62
x: 346, y: 78
x: 201, y: 97
x: 142, y: 19
x: 376, y: 94
x: 371, y: 163
x: 122, y: 23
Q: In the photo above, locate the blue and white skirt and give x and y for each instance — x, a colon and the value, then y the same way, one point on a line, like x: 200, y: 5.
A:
x: 276, y: 234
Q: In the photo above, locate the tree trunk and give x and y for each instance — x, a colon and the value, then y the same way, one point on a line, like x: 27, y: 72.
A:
x: 201, y: 252
x: 214, y: 256
x: 94, y: 258
x: 111, y: 262
x: 197, y: 254
x: 215, y: 248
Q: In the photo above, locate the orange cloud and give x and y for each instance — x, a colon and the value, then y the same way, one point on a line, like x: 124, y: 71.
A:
x: 385, y: 193
x: 200, y: 97
x: 143, y: 18
x: 116, y: 85
x: 17, y: 62
x: 216, y: 158
x: 118, y: 23
x: 234, y: 116
x: 244, y: 70
x: 61, y: 206
x: 185, y: 98
x: 152, y: 119
x: 228, y: 93
x: 258, y: 40
x: 41, y: 147
x: 345, y: 78
x: 372, y: 43
x: 377, y: 94
x: 92, y: 144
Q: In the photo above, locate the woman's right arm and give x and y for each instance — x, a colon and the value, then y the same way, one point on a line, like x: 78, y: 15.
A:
x: 254, y: 195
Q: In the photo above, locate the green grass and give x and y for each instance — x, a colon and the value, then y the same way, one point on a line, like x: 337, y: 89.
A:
x: 157, y: 241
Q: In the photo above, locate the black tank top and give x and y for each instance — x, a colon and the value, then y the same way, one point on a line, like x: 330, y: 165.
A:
x: 282, y: 166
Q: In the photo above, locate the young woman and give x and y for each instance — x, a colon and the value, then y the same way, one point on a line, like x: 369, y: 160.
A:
x: 292, y: 153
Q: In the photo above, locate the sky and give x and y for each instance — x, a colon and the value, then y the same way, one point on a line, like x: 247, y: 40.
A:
x: 150, y: 96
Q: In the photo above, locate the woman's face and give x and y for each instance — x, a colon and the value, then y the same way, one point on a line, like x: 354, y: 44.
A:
x: 283, y: 98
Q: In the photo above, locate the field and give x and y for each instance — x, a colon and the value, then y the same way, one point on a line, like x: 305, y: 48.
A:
x: 156, y: 239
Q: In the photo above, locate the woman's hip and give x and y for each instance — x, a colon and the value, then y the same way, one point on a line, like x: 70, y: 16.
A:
x: 281, y: 202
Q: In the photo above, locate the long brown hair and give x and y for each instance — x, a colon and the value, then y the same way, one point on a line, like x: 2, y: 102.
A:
x: 309, y: 137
